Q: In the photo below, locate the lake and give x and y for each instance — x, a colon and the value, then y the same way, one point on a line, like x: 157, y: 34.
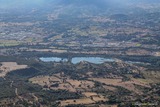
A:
x: 75, y: 60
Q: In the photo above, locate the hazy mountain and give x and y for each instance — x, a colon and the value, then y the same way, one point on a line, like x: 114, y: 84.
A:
x: 74, y: 7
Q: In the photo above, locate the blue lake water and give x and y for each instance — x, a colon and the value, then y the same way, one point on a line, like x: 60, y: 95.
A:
x: 96, y: 60
x: 75, y: 60
x: 53, y: 59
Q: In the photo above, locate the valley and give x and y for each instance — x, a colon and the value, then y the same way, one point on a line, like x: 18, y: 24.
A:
x: 79, y: 53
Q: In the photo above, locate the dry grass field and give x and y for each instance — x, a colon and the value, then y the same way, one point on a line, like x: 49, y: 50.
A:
x: 44, y: 80
x: 91, y: 98
x: 48, y: 50
x: 129, y: 85
x: 64, y: 83
x: 102, y: 105
x: 83, y: 101
x: 111, y: 88
x: 9, y: 66
x: 152, y: 76
x: 9, y: 43
x: 80, y: 83
x: 157, y: 54
x: 89, y: 94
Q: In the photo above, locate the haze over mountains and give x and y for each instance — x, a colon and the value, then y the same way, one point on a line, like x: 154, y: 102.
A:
x: 100, y: 4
